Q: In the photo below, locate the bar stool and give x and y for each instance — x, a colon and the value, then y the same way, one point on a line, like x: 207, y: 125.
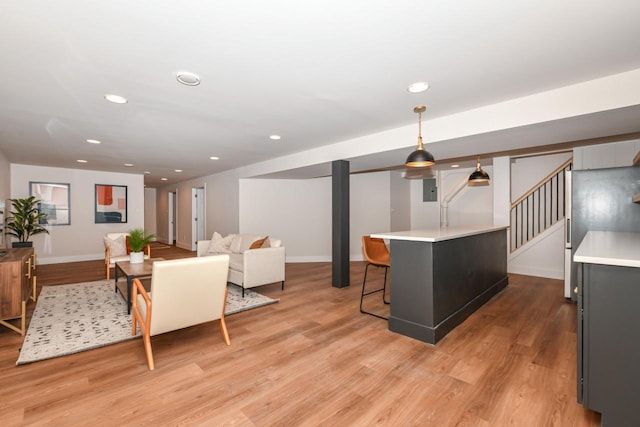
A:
x: 377, y: 255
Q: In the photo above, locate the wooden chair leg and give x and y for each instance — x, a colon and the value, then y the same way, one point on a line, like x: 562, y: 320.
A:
x: 147, y: 349
x: 134, y: 325
x: 223, y: 329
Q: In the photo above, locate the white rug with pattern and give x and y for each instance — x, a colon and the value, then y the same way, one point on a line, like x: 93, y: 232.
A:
x: 81, y: 316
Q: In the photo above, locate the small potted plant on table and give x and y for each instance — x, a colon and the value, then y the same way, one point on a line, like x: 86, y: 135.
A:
x: 24, y: 221
x: 138, y: 239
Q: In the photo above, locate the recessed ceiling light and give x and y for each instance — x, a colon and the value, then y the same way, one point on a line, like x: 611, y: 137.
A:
x: 81, y: 161
x: 129, y: 165
x: 455, y: 166
x: 177, y: 170
x: 147, y: 172
x: 164, y: 179
x: 275, y: 137
x: 418, y: 87
x: 93, y: 141
x: 187, y: 78
x: 214, y: 158
x: 116, y: 99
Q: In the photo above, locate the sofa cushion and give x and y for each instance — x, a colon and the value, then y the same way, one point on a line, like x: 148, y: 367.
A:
x: 236, y: 262
x: 259, y: 243
x: 241, y: 242
x: 117, y: 246
x: 219, y: 244
x: 274, y: 243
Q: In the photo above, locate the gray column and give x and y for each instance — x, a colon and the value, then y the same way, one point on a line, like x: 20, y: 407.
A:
x: 340, y: 223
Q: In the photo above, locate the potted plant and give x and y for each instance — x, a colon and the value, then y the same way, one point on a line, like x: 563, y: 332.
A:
x: 138, y: 239
x: 24, y: 221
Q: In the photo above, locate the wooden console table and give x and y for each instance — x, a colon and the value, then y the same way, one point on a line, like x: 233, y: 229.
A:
x: 17, y: 285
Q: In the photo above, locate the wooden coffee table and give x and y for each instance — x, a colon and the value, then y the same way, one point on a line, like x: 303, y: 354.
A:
x: 133, y: 271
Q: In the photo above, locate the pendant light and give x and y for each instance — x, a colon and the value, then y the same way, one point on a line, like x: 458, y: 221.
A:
x: 421, y: 157
x: 479, y: 175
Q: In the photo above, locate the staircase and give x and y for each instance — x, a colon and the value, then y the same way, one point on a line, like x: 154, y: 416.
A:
x: 539, y: 208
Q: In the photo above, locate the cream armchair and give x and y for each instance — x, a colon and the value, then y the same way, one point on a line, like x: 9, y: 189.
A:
x: 184, y: 292
x: 248, y: 267
x: 115, y: 250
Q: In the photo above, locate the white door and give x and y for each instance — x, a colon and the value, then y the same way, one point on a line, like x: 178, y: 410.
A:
x: 197, y: 216
x: 171, y: 216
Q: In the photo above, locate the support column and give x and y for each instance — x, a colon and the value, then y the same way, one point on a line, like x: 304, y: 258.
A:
x: 340, y: 223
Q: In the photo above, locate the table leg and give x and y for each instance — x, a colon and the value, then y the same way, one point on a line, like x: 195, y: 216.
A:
x: 129, y: 280
x: 115, y: 278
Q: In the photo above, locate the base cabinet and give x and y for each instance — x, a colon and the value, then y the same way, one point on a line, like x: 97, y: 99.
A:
x: 609, y: 342
x: 17, y: 285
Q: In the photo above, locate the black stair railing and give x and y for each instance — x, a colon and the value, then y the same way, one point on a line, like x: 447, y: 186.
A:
x: 539, y: 208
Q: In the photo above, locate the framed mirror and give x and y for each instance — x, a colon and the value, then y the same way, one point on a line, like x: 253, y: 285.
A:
x: 55, y: 200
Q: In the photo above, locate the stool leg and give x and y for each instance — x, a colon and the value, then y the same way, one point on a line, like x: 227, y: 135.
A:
x: 363, y: 294
x: 384, y: 288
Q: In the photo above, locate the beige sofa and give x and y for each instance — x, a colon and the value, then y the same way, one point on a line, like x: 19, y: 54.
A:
x: 248, y: 267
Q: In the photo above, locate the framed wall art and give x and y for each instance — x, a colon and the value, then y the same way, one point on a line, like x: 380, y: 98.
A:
x: 54, y: 201
x: 111, y: 204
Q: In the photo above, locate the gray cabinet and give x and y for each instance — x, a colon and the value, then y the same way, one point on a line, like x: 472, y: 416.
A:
x: 609, y: 342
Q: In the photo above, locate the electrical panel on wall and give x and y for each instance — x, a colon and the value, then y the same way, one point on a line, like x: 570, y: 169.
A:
x: 429, y: 190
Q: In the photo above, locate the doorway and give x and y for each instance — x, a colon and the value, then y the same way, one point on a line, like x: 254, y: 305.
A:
x: 197, y: 216
x: 172, y: 196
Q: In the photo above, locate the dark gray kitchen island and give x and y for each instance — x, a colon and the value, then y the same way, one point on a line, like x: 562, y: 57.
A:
x: 440, y: 276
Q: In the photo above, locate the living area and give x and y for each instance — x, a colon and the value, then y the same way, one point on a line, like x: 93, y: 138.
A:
x: 230, y: 131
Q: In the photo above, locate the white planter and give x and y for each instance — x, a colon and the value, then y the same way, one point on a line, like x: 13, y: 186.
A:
x: 136, y: 257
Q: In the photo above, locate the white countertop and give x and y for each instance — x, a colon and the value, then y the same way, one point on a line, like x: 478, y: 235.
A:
x: 609, y: 248
x: 439, y: 234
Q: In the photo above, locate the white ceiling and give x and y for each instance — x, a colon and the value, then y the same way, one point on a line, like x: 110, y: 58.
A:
x: 316, y: 73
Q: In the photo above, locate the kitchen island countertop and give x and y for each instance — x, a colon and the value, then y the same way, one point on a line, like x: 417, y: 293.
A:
x: 438, y: 234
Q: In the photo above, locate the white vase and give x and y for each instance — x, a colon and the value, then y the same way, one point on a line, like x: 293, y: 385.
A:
x: 136, y: 257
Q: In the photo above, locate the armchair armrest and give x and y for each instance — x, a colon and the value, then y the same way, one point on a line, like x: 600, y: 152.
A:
x: 142, y: 315
x: 263, y: 266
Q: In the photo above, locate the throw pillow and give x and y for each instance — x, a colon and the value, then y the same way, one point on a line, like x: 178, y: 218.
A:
x: 219, y: 244
x: 258, y: 243
x: 117, y: 246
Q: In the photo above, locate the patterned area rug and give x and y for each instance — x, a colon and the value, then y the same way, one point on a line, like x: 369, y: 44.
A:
x: 78, y: 317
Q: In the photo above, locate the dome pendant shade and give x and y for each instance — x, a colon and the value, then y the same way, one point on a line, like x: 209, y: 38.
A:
x: 420, y: 158
x: 479, y: 175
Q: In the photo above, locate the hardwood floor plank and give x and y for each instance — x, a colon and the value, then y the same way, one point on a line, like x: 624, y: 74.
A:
x: 313, y: 359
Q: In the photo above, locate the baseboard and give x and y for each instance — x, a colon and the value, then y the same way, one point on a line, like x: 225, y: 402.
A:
x: 294, y: 259
x: 536, y: 271
x: 75, y: 258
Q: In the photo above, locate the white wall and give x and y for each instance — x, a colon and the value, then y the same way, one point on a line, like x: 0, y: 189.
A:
x: 369, y: 208
x: 150, y: 210
x: 528, y: 171
x: 544, y: 257
x: 83, y: 239
x: 473, y: 205
x: 296, y: 211
x: 5, y: 191
x: 299, y: 212
x: 221, y: 206
x: 400, y: 202
x: 617, y: 154
x: 5, y: 177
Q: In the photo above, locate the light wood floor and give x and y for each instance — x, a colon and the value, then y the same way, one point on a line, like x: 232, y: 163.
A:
x: 313, y: 359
